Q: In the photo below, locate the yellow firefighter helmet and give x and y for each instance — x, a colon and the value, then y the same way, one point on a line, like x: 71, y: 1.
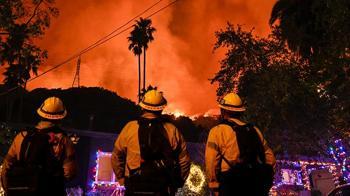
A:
x: 52, y: 108
x: 232, y: 102
x: 153, y: 100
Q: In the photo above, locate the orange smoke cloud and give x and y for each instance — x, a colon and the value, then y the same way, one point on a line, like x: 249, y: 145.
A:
x: 179, y: 61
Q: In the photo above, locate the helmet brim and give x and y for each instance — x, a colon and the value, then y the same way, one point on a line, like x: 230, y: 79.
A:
x: 152, y: 108
x: 234, y: 109
x: 51, y: 116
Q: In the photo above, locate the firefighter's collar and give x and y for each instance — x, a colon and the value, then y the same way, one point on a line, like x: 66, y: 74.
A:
x: 44, y: 125
x: 149, y: 115
x: 237, y: 121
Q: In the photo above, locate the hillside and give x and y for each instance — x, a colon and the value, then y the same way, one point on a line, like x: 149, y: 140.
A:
x: 92, y: 108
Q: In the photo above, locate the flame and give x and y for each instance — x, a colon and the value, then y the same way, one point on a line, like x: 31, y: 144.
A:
x: 178, y: 113
x: 212, y: 112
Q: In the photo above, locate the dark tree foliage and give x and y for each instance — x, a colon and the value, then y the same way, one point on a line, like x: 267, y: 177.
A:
x: 319, y: 31
x: 246, y: 52
x: 189, y: 130
x: 287, y: 109
x: 6, y: 137
x: 276, y: 87
x: 317, y: 28
x: 21, y: 22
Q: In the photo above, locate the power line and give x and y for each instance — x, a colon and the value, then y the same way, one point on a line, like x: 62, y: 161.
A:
x: 97, y: 43
x: 117, y: 29
x: 163, y: 8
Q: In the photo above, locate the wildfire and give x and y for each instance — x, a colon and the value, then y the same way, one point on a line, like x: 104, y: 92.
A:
x: 172, y: 62
x: 178, y: 113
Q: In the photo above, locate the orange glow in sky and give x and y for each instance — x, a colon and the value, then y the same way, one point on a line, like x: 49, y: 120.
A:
x: 179, y: 61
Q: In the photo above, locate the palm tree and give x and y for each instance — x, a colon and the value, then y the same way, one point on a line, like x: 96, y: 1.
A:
x: 139, y: 38
x: 135, y: 46
x: 145, y: 26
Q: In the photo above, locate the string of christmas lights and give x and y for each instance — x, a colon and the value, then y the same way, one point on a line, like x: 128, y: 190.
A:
x: 196, y: 179
x: 290, y: 173
x: 296, y: 173
x: 340, y: 156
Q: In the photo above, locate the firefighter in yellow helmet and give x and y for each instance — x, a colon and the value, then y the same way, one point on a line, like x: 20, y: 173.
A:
x: 237, y: 158
x: 46, y: 151
x: 150, y: 155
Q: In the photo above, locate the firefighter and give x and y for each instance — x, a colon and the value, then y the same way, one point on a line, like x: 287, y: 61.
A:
x: 237, y: 157
x: 150, y: 155
x: 48, y: 146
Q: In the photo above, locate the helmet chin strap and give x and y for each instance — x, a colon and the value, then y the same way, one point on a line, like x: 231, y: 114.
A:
x: 230, y: 114
x: 151, y: 114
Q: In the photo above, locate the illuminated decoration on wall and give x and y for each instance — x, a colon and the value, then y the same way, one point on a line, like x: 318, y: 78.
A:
x: 104, y: 176
x: 296, y: 173
x: 291, y: 177
x: 289, y: 174
x: 340, y: 156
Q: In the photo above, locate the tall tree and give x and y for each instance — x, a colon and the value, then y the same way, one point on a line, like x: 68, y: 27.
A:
x: 139, y: 38
x: 246, y: 52
x: 147, y: 30
x: 21, y: 22
x: 318, y: 30
x: 135, y: 40
x: 275, y: 84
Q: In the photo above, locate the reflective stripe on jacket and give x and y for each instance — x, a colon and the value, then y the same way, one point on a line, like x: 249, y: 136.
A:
x: 126, y: 152
x: 223, y: 139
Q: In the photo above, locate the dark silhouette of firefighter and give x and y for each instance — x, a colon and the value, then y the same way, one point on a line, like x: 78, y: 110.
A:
x: 150, y: 155
x: 40, y: 160
x: 237, y: 157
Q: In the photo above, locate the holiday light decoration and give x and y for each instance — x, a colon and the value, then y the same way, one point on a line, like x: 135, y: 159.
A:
x: 76, y: 191
x: 2, y: 192
x: 98, y: 183
x: 196, y: 179
x: 107, y: 186
x: 340, y: 156
x: 289, y: 174
x: 195, y: 183
x: 297, y: 172
x: 291, y: 177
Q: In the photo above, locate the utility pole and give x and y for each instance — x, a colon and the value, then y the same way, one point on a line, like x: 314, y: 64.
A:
x: 77, y: 74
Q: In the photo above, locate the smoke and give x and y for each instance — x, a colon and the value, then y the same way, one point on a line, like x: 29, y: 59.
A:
x: 179, y: 61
